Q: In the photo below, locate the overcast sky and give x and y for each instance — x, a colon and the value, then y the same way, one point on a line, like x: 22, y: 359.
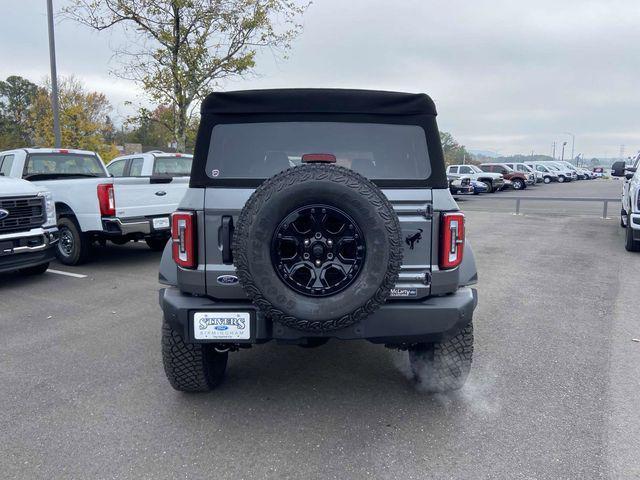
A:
x: 506, y: 76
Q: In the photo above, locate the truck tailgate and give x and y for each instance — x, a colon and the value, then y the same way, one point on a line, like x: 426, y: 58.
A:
x: 142, y: 196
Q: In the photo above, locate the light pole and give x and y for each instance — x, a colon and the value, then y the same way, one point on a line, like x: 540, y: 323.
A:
x: 573, y: 143
x: 562, y: 157
x: 554, y: 150
x: 54, y: 77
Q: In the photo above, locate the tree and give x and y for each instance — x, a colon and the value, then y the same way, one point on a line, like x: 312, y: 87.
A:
x: 183, y: 48
x: 454, y: 153
x: 16, y: 100
x: 84, y: 118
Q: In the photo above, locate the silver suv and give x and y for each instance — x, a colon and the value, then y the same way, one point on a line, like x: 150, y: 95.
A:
x: 317, y: 214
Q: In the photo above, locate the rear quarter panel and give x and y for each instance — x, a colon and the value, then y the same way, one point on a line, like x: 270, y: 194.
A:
x: 81, y: 195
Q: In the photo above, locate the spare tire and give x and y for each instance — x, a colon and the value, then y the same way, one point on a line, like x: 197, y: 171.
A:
x: 317, y: 247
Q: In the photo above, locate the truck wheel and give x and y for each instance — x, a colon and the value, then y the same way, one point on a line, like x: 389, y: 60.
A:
x: 37, y: 270
x: 547, y: 179
x: 443, y: 366
x: 518, y: 184
x: 630, y: 244
x: 191, y: 367
x: 156, y: 244
x: 560, y: 179
x: 74, y: 246
x: 489, y: 184
x: 317, y: 247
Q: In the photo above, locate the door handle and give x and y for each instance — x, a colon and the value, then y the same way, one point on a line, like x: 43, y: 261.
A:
x: 161, y: 193
x: 227, y: 237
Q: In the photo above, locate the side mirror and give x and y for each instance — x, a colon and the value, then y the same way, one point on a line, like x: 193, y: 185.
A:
x: 617, y: 169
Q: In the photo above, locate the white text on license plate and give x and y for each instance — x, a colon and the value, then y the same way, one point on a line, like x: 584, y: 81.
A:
x: 161, y: 222
x: 221, y: 326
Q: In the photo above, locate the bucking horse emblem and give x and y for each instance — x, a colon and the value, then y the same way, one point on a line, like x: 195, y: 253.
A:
x: 411, y: 240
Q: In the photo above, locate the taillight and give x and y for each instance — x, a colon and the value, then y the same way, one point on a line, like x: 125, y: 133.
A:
x: 183, y: 236
x: 451, y: 240
x: 106, y: 199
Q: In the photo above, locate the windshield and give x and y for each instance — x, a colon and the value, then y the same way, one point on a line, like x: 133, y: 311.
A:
x: 62, y: 165
x: 377, y: 151
x: 173, y: 166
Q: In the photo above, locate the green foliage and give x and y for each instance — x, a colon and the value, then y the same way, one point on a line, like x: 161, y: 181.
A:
x: 154, y: 129
x: 454, y: 153
x: 16, y: 100
x: 181, y: 49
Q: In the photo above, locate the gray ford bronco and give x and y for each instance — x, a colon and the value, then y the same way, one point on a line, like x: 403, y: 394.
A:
x: 314, y: 214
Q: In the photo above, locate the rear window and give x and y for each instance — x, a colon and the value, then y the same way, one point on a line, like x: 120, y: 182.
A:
x: 173, y: 166
x: 63, y: 164
x: 260, y: 150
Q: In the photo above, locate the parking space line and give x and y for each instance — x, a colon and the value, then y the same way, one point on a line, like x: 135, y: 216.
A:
x: 68, y: 274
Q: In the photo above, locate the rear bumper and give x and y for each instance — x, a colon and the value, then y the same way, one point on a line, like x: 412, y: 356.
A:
x: 27, y: 249
x: 140, y: 226
x: 395, y: 323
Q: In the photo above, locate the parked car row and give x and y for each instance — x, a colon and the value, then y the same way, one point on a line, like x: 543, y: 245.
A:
x: 492, y: 177
x: 68, y: 199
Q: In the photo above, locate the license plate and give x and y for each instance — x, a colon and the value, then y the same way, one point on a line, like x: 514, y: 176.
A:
x: 161, y: 222
x: 221, y: 326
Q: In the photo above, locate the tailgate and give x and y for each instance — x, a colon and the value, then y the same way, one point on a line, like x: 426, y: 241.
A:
x: 413, y: 208
x: 144, y: 196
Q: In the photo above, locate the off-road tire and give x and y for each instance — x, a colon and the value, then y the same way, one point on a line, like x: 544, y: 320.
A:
x: 443, y: 366
x: 304, y: 185
x: 630, y: 244
x: 191, y: 367
x: 36, y: 270
x: 81, y: 244
x: 156, y: 244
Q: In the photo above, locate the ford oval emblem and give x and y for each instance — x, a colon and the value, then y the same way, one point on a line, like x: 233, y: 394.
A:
x: 221, y: 327
x: 3, y: 213
x: 227, y: 279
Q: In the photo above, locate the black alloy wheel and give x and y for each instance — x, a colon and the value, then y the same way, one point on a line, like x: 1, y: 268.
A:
x: 318, y: 250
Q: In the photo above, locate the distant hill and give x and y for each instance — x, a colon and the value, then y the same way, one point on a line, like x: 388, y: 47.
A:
x: 484, y: 153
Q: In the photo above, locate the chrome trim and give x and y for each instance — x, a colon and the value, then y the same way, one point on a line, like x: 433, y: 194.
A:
x: 48, y: 236
x: 132, y: 227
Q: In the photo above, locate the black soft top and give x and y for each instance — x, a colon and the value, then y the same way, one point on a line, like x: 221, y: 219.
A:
x: 318, y: 100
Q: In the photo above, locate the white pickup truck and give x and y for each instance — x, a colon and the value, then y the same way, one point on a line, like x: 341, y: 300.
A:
x: 28, y: 230
x: 494, y: 181
x: 630, y: 212
x: 94, y: 206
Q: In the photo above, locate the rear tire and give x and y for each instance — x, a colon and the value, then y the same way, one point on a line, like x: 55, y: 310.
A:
x: 561, y: 179
x: 156, y: 244
x: 630, y: 244
x: 547, y: 180
x: 37, y: 270
x: 74, y: 246
x: 443, y: 366
x: 191, y: 367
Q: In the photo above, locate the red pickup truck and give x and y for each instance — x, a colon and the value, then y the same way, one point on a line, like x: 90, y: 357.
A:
x: 519, y: 180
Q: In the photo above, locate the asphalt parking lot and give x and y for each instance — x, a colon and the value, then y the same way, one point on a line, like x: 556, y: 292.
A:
x: 553, y: 391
